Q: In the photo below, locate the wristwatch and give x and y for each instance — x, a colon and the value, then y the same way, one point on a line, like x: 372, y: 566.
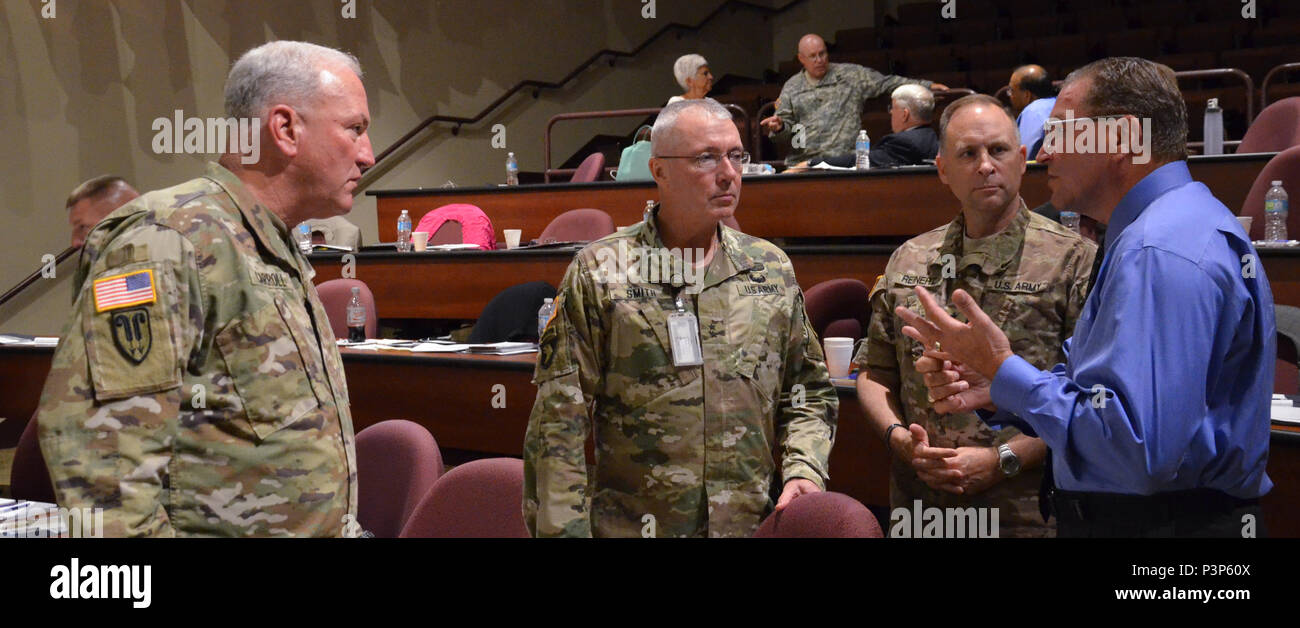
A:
x: 1008, y: 461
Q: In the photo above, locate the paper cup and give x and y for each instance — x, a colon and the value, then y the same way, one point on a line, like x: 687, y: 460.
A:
x: 839, y: 354
x: 512, y: 238
x: 1246, y: 222
x: 420, y: 240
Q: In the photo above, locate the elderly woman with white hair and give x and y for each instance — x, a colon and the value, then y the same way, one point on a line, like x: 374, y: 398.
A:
x: 692, y: 72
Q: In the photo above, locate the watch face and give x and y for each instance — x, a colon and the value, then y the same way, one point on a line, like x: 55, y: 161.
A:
x: 1008, y: 461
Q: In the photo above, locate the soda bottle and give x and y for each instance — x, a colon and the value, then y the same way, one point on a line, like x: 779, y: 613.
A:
x: 356, y: 317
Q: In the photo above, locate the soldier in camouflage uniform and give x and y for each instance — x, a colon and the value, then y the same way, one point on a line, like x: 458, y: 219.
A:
x: 1030, y: 276
x: 198, y: 389
x: 687, y: 450
x: 825, y: 100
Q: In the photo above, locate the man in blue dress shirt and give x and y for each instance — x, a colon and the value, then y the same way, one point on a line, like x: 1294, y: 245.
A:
x: 1032, y: 98
x: 1158, y: 422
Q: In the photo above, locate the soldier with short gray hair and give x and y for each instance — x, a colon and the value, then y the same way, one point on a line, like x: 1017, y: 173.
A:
x: 682, y: 345
x: 197, y: 389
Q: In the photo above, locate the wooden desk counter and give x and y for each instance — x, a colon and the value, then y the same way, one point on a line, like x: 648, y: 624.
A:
x: 887, y: 203
x: 457, y: 285
x: 481, y: 404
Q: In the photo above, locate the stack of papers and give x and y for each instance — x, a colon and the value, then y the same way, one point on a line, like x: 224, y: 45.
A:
x: 441, y: 346
x: 1284, y: 410
x: 503, y: 348
x: 30, y: 341
x: 24, y: 519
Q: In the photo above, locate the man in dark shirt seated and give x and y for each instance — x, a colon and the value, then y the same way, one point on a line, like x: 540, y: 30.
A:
x: 913, y: 142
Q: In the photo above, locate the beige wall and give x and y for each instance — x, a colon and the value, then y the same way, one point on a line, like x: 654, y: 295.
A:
x: 79, y: 92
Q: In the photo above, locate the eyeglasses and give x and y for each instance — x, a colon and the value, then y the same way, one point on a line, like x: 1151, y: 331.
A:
x: 708, y: 162
x: 1048, y: 124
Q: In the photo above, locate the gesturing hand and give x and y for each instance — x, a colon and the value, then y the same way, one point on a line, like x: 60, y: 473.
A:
x: 979, y: 344
x: 953, y: 386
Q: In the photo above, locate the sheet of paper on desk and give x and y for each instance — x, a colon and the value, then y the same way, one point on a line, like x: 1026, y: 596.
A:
x: 503, y: 348
x: 1285, y: 413
x: 438, y: 347
x: 452, y: 247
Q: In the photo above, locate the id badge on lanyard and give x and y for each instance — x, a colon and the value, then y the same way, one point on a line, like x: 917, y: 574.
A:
x: 684, y: 335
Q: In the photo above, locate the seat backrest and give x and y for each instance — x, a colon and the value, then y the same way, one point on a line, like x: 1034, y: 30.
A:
x: 511, y: 315
x: 1276, y: 128
x: 578, y: 225
x: 479, y: 499
x: 449, y: 233
x: 28, y: 478
x: 839, y: 307
x: 1284, y: 167
x: 397, y: 464
x: 589, y: 170
x: 821, y: 515
x: 334, y: 295
x: 476, y: 227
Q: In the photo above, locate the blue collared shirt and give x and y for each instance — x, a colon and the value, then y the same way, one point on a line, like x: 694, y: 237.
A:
x: 1168, y: 376
x: 1031, y: 121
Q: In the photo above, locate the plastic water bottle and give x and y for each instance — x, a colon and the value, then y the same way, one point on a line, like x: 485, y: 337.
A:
x: 649, y: 206
x: 863, y: 150
x: 1070, y: 220
x: 356, y: 317
x: 512, y: 170
x: 1213, y: 128
x: 544, y: 315
x: 1275, y: 208
x: 303, y: 236
x: 404, y: 232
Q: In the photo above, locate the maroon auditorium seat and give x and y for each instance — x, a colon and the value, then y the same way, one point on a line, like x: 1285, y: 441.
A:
x: 578, y: 225
x: 1284, y: 167
x: 839, y: 308
x: 821, y: 515
x: 1276, y: 128
x: 28, y: 478
x: 479, y: 499
x: 335, y: 294
x: 397, y: 464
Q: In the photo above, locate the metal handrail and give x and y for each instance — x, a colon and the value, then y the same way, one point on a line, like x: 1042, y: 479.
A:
x: 537, y: 86
x: 1233, y: 72
x: 1268, y: 78
x: 612, y: 113
x: 31, y: 279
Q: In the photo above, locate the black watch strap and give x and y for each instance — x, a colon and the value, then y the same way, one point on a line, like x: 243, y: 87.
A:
x: 889, y: 431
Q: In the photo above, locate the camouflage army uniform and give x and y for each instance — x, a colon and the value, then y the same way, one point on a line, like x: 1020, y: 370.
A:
x: 216, y: 405
x: 692, y: 446
x: 830, y: 110
x: 1031, y: 279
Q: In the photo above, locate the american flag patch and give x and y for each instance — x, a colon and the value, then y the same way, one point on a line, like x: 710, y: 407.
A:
x: 122, y: 290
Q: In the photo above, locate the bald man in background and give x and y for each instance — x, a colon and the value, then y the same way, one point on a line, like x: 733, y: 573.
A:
x: 92, y: 200
x: 823, y: 103
x: 1032, y: 98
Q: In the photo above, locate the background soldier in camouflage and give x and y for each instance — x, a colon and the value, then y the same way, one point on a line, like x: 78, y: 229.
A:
x: 1030, y: 274
x: 198, y: 389
x: 680, y: 450
x: 826, y: 99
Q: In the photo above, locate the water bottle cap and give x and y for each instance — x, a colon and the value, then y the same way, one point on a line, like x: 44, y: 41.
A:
x: 548, y: 300
x: 356, y: 290
x: 510, y: 154
x: 404, y: 213
x: 1277, y: 184
x: 304, y: 228
x: 1213, y: 103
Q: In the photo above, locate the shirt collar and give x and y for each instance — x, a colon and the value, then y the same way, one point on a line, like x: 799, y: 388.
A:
x: 729, y: 261
x: 1151, y: 187
x: 993, y: 253
x: 267, y: 227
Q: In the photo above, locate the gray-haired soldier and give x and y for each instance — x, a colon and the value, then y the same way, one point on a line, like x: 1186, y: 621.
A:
x: 197, y: 389
x: 684, y: 345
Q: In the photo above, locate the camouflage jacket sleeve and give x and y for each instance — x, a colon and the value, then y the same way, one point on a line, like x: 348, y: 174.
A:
x: 784, y: 110
x: 109, y: 407
x: 556, y: 502
x: 877, y: 354
x: 808, y: 406
x: 872, y: 84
